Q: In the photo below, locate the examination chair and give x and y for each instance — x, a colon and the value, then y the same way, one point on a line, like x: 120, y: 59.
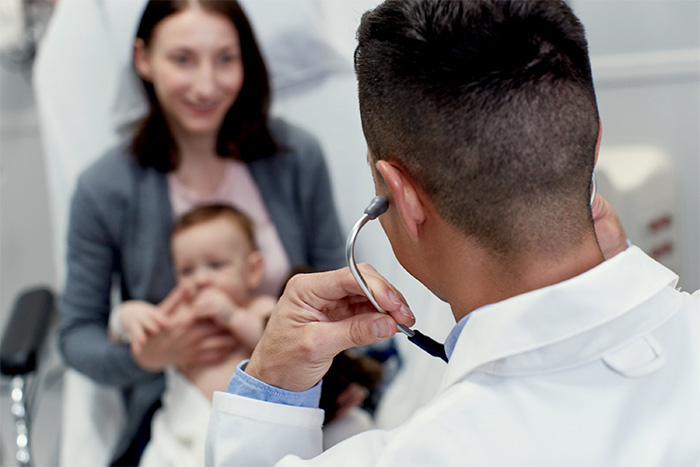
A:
x: 27, y: 331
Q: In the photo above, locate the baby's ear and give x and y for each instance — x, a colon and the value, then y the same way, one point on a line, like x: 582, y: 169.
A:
x: 256, y: 269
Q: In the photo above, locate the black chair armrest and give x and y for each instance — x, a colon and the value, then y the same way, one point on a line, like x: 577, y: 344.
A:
x: 26, y: 331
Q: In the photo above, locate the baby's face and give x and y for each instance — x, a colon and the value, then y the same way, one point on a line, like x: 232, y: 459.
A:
x: 215, y: 253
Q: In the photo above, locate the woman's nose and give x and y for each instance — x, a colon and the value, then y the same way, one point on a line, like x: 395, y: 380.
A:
x: 205, y: 81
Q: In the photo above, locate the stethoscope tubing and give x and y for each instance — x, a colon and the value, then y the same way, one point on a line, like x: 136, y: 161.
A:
x: 378, y: 206
x: 352, y: 264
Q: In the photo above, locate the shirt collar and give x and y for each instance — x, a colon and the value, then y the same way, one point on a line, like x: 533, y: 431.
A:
x: 451, y: 340
x: 509, y: 336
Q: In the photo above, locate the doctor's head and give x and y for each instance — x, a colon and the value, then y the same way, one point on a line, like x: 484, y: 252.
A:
x: 204, y: 77
x: 488, y: 107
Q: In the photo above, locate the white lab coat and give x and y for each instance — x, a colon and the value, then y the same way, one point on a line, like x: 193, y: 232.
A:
x: 602, y: 369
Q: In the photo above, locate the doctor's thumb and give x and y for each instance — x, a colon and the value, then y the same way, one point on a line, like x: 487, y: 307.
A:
x: 363, y: 329
x: 383, y: 327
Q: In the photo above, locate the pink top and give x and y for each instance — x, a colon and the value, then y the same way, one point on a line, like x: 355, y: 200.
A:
x: 239, y: 189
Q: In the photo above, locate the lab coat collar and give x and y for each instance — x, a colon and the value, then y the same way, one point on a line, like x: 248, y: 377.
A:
x: 568, y: 323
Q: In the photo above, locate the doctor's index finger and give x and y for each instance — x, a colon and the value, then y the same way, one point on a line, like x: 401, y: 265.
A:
x: 388, y: 297
x: 323, y: 291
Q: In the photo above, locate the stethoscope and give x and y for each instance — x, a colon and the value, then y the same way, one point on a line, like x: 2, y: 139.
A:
x: 377, y: 207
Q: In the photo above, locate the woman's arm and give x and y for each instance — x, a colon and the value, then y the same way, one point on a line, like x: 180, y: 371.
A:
x: 92, y: 262
x: 324, y: 239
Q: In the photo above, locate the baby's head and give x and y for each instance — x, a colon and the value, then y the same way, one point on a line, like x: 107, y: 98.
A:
x: 214, y: 246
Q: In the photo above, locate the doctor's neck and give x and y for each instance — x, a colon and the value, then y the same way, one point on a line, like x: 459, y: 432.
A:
x: 470, y: 276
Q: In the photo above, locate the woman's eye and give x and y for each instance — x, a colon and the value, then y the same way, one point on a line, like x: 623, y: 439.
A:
x: 228, y: 58
x: 179, y: 59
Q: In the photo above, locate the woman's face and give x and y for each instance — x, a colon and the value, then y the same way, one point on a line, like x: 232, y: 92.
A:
x: 194, y: 63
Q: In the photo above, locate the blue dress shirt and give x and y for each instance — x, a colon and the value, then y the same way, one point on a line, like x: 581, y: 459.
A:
x: 242, y: 384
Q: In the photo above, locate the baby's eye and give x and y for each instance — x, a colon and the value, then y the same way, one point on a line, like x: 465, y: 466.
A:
x: 184, y: 272
x: 215, y: 265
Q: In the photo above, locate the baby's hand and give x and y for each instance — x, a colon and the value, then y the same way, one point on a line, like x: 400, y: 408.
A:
x: 246, y: 323
x: 215, y: 304
x: 139, y: 318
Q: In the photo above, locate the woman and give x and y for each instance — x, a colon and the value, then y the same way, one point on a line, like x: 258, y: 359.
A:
x: 207, y: 139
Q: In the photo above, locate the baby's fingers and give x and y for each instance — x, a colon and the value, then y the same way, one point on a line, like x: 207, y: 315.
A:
x: 174, y: 299
x: 161, y: 321
x: 153, y: 325
x: 137, y: 343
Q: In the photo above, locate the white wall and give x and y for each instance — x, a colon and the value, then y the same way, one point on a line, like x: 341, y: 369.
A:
x: 646, y: 66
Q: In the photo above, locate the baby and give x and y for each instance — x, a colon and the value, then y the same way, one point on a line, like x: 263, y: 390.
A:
x: 217, y: 264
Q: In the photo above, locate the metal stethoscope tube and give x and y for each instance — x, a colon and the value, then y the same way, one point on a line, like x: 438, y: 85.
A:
x: 376, y: 207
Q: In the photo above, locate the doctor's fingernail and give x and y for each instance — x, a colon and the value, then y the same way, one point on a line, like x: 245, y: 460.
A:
x: 394, y: 298
x: 404, y: 310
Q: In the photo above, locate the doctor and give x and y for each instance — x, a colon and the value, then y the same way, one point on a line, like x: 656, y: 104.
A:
x: 482, y: 127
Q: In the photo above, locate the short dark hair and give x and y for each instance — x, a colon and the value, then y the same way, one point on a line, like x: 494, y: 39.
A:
x: 244, y: 133
x: 205, y: 213
x: 489, y: 104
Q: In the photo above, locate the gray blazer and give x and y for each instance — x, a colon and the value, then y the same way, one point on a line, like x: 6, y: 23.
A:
x: 119, y: 229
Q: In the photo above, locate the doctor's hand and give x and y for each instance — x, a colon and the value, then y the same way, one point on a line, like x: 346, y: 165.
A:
x: 319, y: 316
x: 608, y: 228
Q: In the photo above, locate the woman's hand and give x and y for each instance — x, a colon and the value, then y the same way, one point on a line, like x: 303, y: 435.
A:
x: 184, y: 340
x: 319, y: 316
x: 138, y: 319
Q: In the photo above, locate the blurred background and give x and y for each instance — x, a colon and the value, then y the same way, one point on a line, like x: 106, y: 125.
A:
x: 646, y: 65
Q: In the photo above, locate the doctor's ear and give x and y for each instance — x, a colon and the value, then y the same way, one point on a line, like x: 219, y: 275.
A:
x: 405, y: 195
x: 142, y: 60
x: 597, y: 144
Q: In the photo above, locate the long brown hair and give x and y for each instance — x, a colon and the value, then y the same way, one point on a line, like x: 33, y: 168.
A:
x: 244, y: 132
